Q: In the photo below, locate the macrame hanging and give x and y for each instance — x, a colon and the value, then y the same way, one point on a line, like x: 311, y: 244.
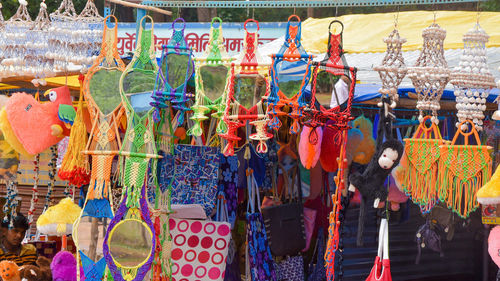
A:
x: 430, y: 74
x: 393, y: 68
x: 37, y: 64
x: 63, y: 23
x: 247, y: 89
x: 177, y: 68
x: 472, y: 78
x: 292, y: 57
x: 463, y: 169
x: 136, y: 83
x: 34, y: 196
x: 215, y: 64
x: 421, y: 155
x: 87, y: 39
x: 11, y: 201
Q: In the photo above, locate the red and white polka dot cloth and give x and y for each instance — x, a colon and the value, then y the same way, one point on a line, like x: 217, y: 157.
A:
x: 199, y: 249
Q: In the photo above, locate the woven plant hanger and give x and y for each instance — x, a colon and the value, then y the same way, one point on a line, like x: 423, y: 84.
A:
x: 421, y: 155
x: 74, y: 166
x: 104, y: 142
x: 248, y: 64
x: 214, y: 55
x: 393, y: 68
x: 334, y: 63
x: 463, y: 170
x: 176, y: 95
x: 430, y: 74
x: 291, y: 51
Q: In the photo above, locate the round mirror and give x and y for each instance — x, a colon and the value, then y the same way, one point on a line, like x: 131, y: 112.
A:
x: 130, y: 243
x: 91, y: 233
x: 138, y: 86
x: 177, y: 66
x: 290, y: 76
x: 104, y: 89
x: 248, y: 90
x: 214, y: 80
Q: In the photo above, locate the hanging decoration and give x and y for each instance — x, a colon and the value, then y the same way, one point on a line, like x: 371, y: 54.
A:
x: 393, y: 68
x: 177, y: 68
x: 37, y: 64
x: 463, y: 169
x: 290, y: 91
x: 472, y: 79
x: 247, y: 89
x: 430, y: 74
x: 211, y: 75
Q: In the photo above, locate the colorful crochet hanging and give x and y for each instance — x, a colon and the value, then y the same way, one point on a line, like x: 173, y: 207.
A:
x: 463, y: 170
x: 211, y: 75
x: 291, y: 66
x: 177, y: 68
x: 136, y: 83
x: 74, y: 167
x: 420, y: 159
x: 334, y: 63
x: 100, y: 89
x: 248, y: 85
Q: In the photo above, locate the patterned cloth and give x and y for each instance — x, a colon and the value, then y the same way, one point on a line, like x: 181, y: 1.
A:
x: 196, y: 170
x: 228, y: 178
x: 291, y: 269
x: 260, y: 258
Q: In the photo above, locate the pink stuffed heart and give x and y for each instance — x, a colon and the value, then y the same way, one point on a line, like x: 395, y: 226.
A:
x: 310, y: 146
x: 494, y: 245
x: 31, y: 122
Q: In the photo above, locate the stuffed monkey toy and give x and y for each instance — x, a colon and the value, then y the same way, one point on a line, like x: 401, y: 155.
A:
x: 387, y: 155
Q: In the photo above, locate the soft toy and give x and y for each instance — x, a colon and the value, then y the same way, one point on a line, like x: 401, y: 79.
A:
x: 44, y: 265
x: 489, y: 194
x: 494, y: 247
x: 31, y: 273
x: 366, y: 149
x: 387, y: 156
x: 310, y: 146
x: 29, y: 126
x: 63, y: 267
x: 59, y: 219
x: 9, y: 271
x: 330, y: 148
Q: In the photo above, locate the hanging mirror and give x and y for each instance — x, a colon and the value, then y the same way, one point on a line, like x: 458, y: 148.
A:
x: 211, y: 74
x: 130, y: 243
x: 248, y: 86
x: 290, y: 74
x: 105, y: 108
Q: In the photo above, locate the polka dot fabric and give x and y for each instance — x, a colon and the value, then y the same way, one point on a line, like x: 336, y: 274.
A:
x: 199, y: 249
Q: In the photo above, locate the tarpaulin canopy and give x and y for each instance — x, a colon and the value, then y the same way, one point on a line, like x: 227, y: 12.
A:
x: 364, y: 32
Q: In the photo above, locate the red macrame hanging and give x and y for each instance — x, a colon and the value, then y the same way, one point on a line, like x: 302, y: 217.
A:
x: 246, y: 102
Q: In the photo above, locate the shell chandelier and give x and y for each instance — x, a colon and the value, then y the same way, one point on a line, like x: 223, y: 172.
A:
x: 393, y: 68
x: 61, y: 42
x: 430, y: 73
x: 472, y: 79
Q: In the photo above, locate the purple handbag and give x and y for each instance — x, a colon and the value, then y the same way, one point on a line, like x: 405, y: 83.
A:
x: 291, y: 269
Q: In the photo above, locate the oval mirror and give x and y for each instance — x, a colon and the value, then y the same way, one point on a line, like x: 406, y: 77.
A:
x: 138, y: 86
x: 130, y: 243
x: 178, y: 65
x: 91, y: 233
x: 290, y: 76
x: 104, y: 89
x: 248, y: 90
x: 325, y: 82
x: 214, y: 80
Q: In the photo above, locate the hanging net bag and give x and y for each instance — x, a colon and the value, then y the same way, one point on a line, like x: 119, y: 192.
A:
x: 430, y: 74
x: 247, y: 89
x: 420, y: 159
x: 290, y: 74
x: 463, y: 169
x: 177, y: 68
x: 472, y: 79
x: 211, y: 74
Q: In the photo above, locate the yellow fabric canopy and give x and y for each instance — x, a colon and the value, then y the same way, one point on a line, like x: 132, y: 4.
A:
x: 365, y: 33
x: 61, y: 81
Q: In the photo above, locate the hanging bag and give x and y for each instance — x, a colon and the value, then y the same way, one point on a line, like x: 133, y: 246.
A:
x: 381, y: 270
x: 317, y: 271
x: 291, y: 269
x: 463, y: 169
x: 421, y: 157
x: 285, y: 223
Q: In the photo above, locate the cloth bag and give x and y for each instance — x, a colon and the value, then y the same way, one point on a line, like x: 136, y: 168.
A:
x: 291, y: 269
x: 196, y: 175
x: 381, y: 270
x: 317, y: 271
x: 199, y: 249
x: 285, y: 223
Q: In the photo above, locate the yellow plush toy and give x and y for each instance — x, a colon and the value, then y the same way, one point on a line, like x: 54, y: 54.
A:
x: 366, y: 148
x: 489, y: 194
x: 58, y: 219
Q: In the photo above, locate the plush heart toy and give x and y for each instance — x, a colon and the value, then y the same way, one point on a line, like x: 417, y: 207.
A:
x: 494, y: 245
x: 310, y: 146
x: 31, y: 127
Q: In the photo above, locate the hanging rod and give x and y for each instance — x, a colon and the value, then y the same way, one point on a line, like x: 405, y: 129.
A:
x: 291, y: 3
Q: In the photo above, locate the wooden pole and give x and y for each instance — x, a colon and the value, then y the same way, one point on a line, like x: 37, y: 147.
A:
x: 139, y: 6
